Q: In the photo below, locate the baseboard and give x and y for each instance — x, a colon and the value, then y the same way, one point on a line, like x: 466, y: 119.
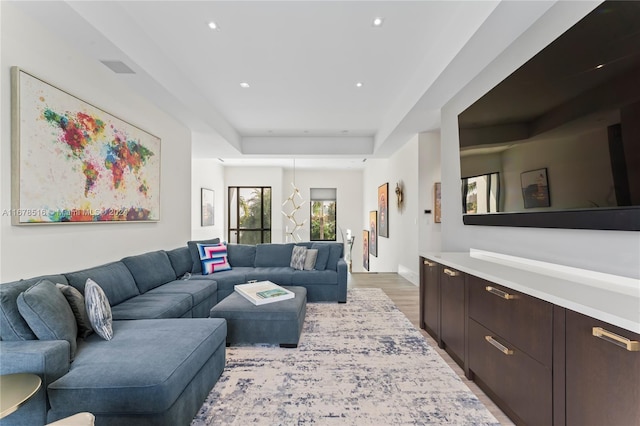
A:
x: 409, y: 275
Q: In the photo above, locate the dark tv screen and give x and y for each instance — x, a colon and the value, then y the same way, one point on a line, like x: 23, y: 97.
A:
x: 557, y: 143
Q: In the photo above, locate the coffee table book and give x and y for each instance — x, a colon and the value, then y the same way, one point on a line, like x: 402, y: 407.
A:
x: 263, y: 292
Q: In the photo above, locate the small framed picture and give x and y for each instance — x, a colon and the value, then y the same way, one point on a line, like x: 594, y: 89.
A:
x: 373, y: 233
x: 365, y: 250
x: 383, y: 210
x: 207, y: 199
x: 535, y: 188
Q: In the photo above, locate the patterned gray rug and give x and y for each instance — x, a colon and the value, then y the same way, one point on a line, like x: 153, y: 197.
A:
x: 359, y: 363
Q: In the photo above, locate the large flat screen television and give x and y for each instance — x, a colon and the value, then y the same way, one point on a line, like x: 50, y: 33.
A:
x: 557, y: 143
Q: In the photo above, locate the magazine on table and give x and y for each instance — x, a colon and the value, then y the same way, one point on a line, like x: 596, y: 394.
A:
x: 263, y: 292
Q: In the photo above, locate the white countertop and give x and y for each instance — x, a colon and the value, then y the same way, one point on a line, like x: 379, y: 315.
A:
x: 609, y: 298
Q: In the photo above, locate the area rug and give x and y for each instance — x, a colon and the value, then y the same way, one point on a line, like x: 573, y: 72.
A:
x: 359, y: 363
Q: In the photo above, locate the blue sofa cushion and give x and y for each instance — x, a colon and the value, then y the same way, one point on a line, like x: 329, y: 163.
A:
x: 281, y: 275
x: 12, y: 325
x: 153, y: 305
x: 334, y: 255
x: 268, y: 255
x: 200, y: 290
x: 98, y: 310
x: 180, y: 259
x: 323, y: 255
x: 152, y: 375
x: 78, y: 307
x: 314, y: 277
x: 196, y: 266
x: 48, y: 314
x: 114, y: 278
x: 241, y: 255
x: 150, y: 270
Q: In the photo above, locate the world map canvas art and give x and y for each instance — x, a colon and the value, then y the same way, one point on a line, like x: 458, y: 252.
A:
x: 75, y: 163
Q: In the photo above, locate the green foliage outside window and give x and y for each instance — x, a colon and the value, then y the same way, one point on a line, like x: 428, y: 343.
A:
x: 323, y: 221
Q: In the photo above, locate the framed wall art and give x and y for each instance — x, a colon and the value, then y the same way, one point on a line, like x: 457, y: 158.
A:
x: 383, y: 210
x: 365, y: 250
x: 207, y: 198
x: 373, y: 233
x: 75, y: 163
x: 535, y: 188
x: 437, y: 203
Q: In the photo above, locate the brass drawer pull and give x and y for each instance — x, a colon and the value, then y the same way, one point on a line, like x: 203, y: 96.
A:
x: 451, y: 273
x: 499, y: 293
x: 429, y: 264
x: 623, y: 342
x: 499, y: 346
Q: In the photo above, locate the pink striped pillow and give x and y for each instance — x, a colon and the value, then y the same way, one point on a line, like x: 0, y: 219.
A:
x: 213, y: 258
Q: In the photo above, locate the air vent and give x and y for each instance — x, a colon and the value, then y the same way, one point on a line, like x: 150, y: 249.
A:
x: 118, y: 67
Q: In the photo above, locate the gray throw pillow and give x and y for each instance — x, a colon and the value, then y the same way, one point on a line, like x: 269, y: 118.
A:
x: 76, y: 302
x: 298, y: 256
x: 48, y: 314
x: 98, y: 310
x: 310, y: 260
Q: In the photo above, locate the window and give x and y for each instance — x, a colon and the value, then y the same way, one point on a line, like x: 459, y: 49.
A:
x: 249, y: 215
x: 480, y: 193
x: 323, y: 214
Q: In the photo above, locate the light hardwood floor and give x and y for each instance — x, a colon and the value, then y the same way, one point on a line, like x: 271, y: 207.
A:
x: 406, y: 297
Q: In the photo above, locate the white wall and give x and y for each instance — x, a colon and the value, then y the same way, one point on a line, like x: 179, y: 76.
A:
x: 28, y: 251
x: 430, y: 233
x: 398, y: 252
x: 615, y: 252
x: 208, y: 173
x: 348, y: 184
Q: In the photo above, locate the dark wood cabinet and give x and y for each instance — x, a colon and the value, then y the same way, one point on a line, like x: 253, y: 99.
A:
x: 602, y: 373
x: 452, y: 313
x: 430, y: 298
x: 541, y: 363
x: 524, y: 321
x: 510, y: 351
x: 520, y: 385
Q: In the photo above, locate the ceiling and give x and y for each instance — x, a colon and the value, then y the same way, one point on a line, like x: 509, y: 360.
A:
x: 301, y: 59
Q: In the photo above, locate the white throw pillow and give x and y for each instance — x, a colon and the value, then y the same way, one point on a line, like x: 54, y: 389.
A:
x: 298, y: 255
x: 98, y: 309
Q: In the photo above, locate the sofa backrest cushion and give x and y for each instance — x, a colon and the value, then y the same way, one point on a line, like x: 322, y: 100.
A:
x: 269, y: 254
x: 48, y: 314
x: 323, y: 255
x: 196, y: 265
x: 150, y: 270
x: 180, y: 259
x: 241, y: 255
x: 114, y: 278
x: 335, y: 254
x: 12, y: 325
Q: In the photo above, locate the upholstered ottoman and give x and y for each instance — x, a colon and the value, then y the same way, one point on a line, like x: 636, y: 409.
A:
x: 278, y: 322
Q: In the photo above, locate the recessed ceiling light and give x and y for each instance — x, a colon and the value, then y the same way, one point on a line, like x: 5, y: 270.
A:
x: 377, y: 22
x: 359, y: 84
x: 213, y: 25
x: 599, y: 66
x: 244, y: 85
x: 344, y: 132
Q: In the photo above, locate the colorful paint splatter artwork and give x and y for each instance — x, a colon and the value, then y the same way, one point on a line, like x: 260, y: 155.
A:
x: 80, y: 164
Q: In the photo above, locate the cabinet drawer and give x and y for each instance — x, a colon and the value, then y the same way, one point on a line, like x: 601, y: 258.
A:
x: 522, y: 386
x: 602, y: 373
x: 523, y: 320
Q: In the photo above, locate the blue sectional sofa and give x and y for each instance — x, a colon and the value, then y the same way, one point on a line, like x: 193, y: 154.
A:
x: 166, y: 354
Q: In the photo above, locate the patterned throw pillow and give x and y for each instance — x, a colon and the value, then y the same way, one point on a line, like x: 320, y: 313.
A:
x: 310, y: 260
x: 76, y: 301
x: 213, y: 258
x: 98, y: 310
x: 298, y: 255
